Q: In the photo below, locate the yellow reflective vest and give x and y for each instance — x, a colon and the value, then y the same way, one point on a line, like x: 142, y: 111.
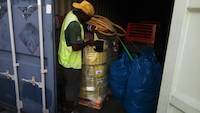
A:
x: 66, y: 56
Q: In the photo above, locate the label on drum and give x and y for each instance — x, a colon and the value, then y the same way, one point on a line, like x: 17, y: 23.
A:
x: 90, y: 88
x: 99, y: 72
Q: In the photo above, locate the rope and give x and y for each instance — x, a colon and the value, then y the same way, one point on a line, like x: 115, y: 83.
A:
x: 106, y: 27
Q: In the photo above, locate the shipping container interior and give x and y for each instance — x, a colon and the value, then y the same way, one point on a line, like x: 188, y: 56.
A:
x: 123, y: 12
x: 26, y: 34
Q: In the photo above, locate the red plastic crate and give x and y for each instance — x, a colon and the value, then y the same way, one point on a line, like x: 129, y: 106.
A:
x: 141, y: 32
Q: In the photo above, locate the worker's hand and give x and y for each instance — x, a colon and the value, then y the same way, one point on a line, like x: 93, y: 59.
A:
x: 91, y: 28
x: 90, y: 42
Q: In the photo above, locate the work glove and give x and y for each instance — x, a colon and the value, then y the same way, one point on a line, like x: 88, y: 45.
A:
x: 91, y: 28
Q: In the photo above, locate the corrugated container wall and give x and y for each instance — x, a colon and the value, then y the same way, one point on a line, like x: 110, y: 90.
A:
x: 26, y: 48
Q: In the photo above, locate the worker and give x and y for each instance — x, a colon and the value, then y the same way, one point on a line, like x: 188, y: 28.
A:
x: 72, y: 42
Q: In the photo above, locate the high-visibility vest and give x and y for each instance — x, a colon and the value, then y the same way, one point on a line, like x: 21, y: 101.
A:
x: 66, y: 56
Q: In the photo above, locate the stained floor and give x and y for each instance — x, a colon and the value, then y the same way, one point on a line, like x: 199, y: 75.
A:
x: 2, y: 110
x: 110, y: 106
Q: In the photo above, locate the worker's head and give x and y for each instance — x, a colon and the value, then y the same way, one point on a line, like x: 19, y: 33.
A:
x: 85, y: 10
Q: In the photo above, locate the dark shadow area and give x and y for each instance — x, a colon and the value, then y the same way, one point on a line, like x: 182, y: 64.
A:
x: 126, y: 11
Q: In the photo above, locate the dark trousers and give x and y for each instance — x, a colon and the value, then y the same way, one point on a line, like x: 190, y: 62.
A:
x: 72, y: 81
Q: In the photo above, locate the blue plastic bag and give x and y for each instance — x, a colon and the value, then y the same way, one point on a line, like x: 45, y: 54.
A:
x: 118, y: 76
x: 142, y: 76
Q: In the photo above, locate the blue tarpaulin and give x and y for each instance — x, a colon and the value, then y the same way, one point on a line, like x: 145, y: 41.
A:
x: 135, y: 83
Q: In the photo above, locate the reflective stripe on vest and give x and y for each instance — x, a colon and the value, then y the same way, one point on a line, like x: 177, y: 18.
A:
x: 66, y: 56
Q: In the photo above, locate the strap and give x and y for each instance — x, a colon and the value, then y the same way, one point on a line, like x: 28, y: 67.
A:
x: 126, y: 49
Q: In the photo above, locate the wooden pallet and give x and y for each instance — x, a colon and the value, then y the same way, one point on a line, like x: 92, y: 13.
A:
x: 92, y: 104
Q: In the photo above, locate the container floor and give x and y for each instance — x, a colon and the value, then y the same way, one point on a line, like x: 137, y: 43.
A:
x: 2, y: 110
x: 109, y: 106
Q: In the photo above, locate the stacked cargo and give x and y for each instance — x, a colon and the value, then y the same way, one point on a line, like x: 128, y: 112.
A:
x: 94, y: 78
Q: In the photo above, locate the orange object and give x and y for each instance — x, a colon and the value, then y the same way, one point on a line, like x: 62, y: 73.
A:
x: 85, y: 6
x: 141, y: 32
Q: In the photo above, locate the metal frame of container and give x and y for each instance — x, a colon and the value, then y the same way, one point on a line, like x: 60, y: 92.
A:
x: 50, y: 56
x: 15, y: 64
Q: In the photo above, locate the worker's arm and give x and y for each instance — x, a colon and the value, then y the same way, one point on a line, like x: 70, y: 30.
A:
x: 77, y: 47
x: 73, y: 37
